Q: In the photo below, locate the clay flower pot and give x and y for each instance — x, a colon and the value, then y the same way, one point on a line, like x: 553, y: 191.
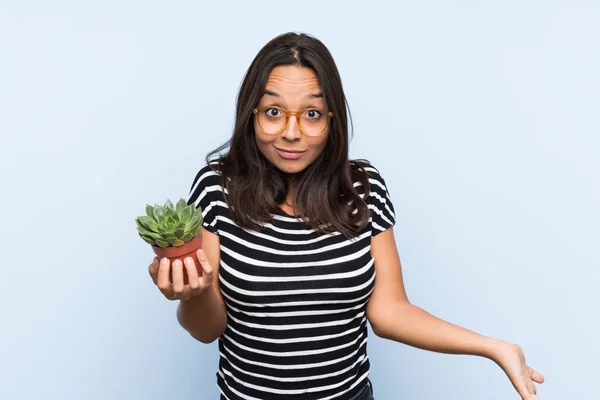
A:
x: 180, y: 253
x: 174, y: 231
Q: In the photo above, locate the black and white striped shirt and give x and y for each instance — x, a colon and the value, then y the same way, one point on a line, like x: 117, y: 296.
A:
x: 295, y: 300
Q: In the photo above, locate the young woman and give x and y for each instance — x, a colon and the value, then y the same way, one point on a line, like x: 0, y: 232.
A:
x: 298, y: 251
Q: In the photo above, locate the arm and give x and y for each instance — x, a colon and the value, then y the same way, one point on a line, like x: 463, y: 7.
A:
x: 204, y: 315
x: 393, y: 317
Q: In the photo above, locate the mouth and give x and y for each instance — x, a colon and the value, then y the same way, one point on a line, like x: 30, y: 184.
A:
x: 289, y: 153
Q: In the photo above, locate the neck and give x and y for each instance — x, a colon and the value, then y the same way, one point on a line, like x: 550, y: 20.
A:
x: 289, y: 198
x: 291, y: 188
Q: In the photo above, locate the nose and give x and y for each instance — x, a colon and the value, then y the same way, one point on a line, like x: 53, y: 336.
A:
x: 292, y: 131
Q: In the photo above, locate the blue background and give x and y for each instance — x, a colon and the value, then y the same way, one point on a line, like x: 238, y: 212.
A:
x: 481, y: 116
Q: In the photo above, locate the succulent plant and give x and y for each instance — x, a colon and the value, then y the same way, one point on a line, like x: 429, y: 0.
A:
x: 168, y: 225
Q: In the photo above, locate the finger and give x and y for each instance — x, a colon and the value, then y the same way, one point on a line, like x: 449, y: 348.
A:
x: 163, y: 282
x: 207, y: 269
x: 524, y: 387
x: 532, y: 389
x: 186, y: 295
x: 178, y: 286
x: 204, y: 263
x: 153, y: 269
x: 536, y: 376
x: 190, y: 268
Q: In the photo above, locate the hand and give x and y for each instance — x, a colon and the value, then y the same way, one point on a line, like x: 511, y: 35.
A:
x: 511, y: 359
x: 159, y: 271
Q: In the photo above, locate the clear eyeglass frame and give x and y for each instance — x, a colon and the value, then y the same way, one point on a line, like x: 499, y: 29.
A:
x: 287, y: 119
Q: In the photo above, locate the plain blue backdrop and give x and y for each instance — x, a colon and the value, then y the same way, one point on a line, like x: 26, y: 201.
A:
x: 481, y: 116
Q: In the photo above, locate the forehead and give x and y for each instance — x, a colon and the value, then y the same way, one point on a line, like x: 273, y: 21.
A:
x: 293, y: 80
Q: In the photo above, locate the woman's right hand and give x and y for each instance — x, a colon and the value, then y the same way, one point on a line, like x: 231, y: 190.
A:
x: 159, y: 271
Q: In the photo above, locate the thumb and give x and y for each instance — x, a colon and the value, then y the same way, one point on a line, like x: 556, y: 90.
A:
x: 536, y: 376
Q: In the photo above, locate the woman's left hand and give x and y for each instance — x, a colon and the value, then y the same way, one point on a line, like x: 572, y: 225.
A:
x: 511, y: 359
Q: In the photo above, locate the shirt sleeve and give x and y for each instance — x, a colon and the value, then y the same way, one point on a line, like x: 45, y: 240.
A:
x: 205, y: 193
x: 379, y: 202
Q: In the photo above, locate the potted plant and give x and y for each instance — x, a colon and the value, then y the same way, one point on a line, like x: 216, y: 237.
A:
x: 173, y: 231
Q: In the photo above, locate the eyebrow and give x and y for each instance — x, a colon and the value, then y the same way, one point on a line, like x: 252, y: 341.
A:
x: 307, y: 97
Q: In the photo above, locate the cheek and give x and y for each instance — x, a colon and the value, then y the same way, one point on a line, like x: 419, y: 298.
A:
x: 260, y: 137
x: 264, y: 144
x: 320, y: 144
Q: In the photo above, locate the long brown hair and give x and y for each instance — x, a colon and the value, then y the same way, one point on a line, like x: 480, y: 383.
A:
x: 324, y: 191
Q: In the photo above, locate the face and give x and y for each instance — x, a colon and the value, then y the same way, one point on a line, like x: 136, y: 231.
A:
x: 292, y: 88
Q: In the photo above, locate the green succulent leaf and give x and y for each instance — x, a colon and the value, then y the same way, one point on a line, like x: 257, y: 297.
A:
x: 154, y: 235
x: 189, y: 229
x: 169, y: 205
x: 141, y: 228
x: 194, y: 228
x: 186, y: 214
x: 193, y: 222
x: 171, y: 240
x: 148, y: 239
x: 150, y: 211
x: 179, y: 229
x: 181, y: 205
x: 169, y: 212
x: 170, y: 227
x: 169, y: 222
x: 187, y: 237
x: 159, y: 212
x: 148, y: 222
x: 162, y: 243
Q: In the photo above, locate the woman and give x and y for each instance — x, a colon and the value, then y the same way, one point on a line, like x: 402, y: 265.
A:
x: 300, y: 239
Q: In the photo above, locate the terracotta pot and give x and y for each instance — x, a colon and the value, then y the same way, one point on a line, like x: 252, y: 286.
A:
x: 180, y: 253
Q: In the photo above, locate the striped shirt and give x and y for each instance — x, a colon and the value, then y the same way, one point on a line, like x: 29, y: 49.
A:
x: 295, y: 299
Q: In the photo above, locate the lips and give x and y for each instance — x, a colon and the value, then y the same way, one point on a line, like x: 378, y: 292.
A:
x: 289, y: 154
x: 290, y: 151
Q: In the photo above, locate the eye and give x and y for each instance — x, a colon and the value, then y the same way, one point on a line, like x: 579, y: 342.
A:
x: 314, y: 114
x: 273, y: 112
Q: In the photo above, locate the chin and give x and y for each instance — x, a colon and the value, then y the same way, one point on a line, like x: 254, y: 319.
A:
x: 290, y: 166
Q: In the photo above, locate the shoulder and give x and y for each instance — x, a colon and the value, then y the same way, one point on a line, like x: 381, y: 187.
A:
x: 206, y: 182
x: 364, y: 172
x: 206, y: 193
x: 208, y: 172
x: 378, y: 197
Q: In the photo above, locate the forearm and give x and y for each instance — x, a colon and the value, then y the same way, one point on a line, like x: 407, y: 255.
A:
x: 203, y: 316
x: 409, y: 324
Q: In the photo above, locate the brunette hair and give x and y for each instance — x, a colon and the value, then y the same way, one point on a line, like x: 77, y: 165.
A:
x: 324, y: 193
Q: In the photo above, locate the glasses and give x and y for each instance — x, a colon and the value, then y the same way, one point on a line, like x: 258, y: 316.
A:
x: 273, y: 120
